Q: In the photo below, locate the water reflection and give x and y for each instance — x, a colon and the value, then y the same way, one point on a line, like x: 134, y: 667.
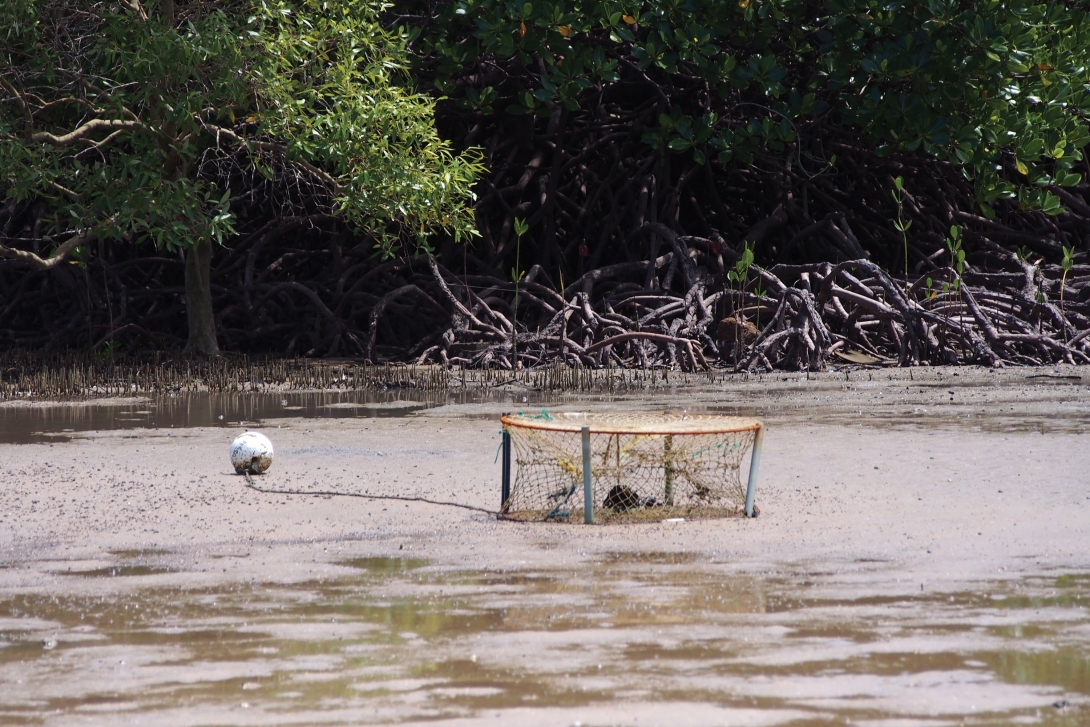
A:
x: 23, y: 424
x: 1012, y: 403
x: 394, y: 640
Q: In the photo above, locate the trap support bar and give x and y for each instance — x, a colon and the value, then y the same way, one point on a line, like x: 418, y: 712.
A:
x: 588, y: 486
x: 754, y: 464
x: 505, y: 477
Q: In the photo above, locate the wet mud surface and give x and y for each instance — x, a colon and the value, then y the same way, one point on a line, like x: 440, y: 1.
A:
x: 908, y: 568
x: 1054, y: 398
x: 624, y: 637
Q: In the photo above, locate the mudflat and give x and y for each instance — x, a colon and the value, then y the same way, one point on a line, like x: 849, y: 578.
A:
x: 922, y: 556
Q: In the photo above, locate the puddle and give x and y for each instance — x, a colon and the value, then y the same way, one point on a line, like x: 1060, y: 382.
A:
x: 652, y: 557
x: 138, y: 553
x: 384, y: 566
x: 401, y: 642
x: 118, y: 571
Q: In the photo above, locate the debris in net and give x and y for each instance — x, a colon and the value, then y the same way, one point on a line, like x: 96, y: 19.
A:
x: 645, y: 467
x: 622, y: 498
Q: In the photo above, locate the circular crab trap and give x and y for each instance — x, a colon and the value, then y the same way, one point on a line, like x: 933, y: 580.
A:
x: 627, y: 467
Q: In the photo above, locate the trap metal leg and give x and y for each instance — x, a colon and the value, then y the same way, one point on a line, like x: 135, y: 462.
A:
x: 754, y: 463
x: 505, y: 482
x: 588, y: 489
x: 668, y: 468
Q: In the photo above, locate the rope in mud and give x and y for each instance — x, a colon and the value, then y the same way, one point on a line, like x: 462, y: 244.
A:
x: 403, y: 498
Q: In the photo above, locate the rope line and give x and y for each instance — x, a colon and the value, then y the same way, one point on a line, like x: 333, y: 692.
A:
x: 403, y: 498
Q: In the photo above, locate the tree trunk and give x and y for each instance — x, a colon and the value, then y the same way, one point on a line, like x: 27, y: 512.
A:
x: 198, y: 300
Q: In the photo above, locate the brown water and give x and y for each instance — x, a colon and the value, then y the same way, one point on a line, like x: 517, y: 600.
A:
x: 1031, y: 400
x: 390, y: 640
x: 55, y: 423
x: 663, y: 638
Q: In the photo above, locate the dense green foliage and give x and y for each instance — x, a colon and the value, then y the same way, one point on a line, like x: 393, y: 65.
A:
x: 136, y: 123
x: 998, y: 87
x: 668, y: 165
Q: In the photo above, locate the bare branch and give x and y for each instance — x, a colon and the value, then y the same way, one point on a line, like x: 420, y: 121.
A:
x: 137, y: 8
x: 53, y: 260
x: 82, y: 131
x: 222, y: 133
x: 76, y: 196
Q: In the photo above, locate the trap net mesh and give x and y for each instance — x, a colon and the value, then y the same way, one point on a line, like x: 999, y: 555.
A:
x: 643, y: 467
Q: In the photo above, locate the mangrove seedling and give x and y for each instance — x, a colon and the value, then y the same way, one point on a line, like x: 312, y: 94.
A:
x: 957, y: 256
x: 1067, y: 263
x: 517, y: 275
x: 902, y: 226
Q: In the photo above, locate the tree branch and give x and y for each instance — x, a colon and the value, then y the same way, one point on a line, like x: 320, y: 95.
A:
x: 82, y: 131
x: 53, y: 260
x: 222, y: 133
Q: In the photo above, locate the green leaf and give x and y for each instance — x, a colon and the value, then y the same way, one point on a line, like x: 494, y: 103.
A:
x: 1034, y: 146
x: 321, y: 78
x: 1051, y: 205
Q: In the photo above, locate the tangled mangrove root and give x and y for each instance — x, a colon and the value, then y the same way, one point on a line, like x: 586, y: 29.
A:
x: 1018, y: 312
x: 305, y: 286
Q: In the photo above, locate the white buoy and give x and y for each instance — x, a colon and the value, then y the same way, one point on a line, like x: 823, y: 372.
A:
x: 251, y: 452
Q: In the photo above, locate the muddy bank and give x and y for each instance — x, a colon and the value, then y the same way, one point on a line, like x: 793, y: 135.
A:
x: 912, y: 565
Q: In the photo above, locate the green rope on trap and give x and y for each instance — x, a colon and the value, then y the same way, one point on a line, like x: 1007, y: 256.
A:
x: 734, y: 445
x: 543, y: 415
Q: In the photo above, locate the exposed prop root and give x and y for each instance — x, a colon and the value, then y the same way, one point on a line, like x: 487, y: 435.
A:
x: 302, y: 284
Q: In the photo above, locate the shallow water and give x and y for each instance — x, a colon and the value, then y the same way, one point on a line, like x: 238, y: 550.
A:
x: 44, y: 423
x: 395, y: 640
x: 623, y: 638
x: 1027, y: 401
